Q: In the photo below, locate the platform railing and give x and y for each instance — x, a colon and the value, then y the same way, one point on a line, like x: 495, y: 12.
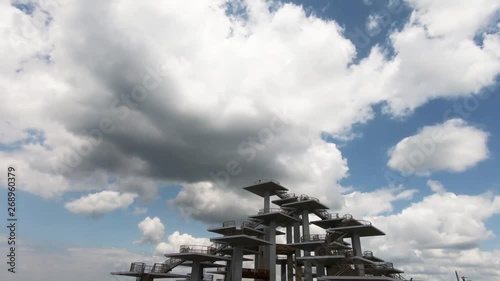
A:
x: 201, y: 249
x: 364, y: 222
x: 137, y: 267
x: 160, y: 267
x: 325, y: 215
x: 228, y: 223
x: 313, y: 237
x: 284, y: 194
x: 266, y: 180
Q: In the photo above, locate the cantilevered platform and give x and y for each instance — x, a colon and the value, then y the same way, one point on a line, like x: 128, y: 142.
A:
x: 241, y: 240
x: 261, y: 187
x: 233, y: 230
x: 307, y: 245
x: 361, y: 230
x: 329, y: 223
x: 277, y: 216
x: 287, y: 200
x: 193, y: 256
x: 152, y: 274
x: 309, y: 204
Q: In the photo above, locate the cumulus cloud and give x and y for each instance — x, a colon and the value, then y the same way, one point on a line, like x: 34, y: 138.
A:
x: 452, y: 146
x: 97, y: 204
x: 440, y: 234
x: 152, y: 230
x: 436, y: 186
x: 191, y: 118
x: 175, y: 240
x: 378, y: 202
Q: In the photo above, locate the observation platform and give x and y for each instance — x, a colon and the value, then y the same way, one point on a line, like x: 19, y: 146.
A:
x: 261, y: 187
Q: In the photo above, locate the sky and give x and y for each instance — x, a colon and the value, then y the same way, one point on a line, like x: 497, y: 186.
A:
x: 134, y: 125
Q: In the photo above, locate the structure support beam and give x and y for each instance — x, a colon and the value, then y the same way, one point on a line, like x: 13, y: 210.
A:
x: 237, y: 263
x: 305, y: 232
x: 196, y: 271
x: 356, y: 245
x: 272, y: 250
x: 296, y: 239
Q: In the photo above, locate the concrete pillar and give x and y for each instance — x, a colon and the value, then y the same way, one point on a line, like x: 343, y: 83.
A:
x: 283, y: 271
x: 237, y: 263
x: 289, y: 265
x: 196, y: 271
x: 289, y: 257
x: 272, y: 251
x: 296, y: 239
x: 320, y: 270
x: 356, y: 246
x: 305, y: 232
x: 267, y: 201
x: 289, y: 234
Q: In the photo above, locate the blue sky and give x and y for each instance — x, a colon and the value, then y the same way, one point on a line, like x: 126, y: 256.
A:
x: 350, y: 80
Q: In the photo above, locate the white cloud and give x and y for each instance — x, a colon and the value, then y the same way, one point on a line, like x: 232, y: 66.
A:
x: 152, y: 230
x: 175, y: 240
x: 373, y: 24
x: 318, y: 164
x: 436, y: 186
x: 452, y: 146
x: 378, y: 202
x: 97, y: 204
x: 303, y: 60
x: 432, y: 238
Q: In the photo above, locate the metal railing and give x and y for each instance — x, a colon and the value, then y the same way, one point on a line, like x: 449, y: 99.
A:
x: 325, y: 215
x: 284, y: 194
x: 137, y: 267
x: 160, y: 267
x: 304, y: 197
x: 228, y: 223
x: 364, y: 222
x: 347, y: 217
x: 250, y: 224
x: 313, y: 237
x: 340, y: 252
x: 198, y: 249
x: 266, y: 180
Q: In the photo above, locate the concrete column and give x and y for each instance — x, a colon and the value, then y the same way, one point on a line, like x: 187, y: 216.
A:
x: 305, y: 222
x: 289, y: 266
x: 289, y: 257
x: 289, y: 234
x: 320, y: 270
x: 237, y: 263
x: 267, y: 200
x: 305, y: 232
x: 283, y: 271
x: 272, y: 251
x: 196, y: 271
x: 356, y: 246
x: 296, y: 239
